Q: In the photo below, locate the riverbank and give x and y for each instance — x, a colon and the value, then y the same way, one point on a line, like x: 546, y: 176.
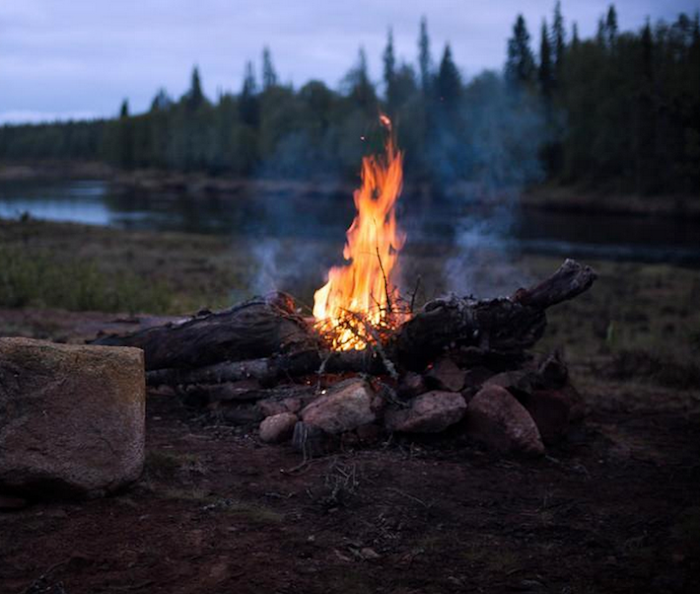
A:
x: 219, y: 510
x: 550, y: 198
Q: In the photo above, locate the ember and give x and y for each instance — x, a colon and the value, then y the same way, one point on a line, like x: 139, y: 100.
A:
x: 358, y: 305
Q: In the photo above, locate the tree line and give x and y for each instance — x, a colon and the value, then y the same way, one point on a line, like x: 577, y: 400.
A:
x: 619, y: 110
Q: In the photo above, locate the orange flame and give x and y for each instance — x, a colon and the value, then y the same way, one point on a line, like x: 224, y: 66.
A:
x: 355, y: 307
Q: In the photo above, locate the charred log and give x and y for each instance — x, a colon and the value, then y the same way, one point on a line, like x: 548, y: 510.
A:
x: 257, y: 328
x: 268, y: 371
x: 505, y: 326
x: 265, y: 340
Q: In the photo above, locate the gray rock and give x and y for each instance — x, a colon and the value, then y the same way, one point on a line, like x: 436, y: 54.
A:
x: 278, y: 428
x: 72, y: 418
x: 497, y: 419
x: 344, y: 407
x: 431, y: 412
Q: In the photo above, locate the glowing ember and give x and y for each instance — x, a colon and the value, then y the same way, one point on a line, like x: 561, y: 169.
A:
x: 357, y: 305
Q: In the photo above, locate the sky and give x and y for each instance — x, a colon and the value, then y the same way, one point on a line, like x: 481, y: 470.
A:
x: 80, y: 58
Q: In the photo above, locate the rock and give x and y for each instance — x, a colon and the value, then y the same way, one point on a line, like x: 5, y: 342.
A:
x: 278, y: 428
x: 72, y: 418
x: 431, y: 412
x: 445, y: 375
x: 344, y: 407
x: 550, y: 410
x: 412, y: 384
x: 497, y: 419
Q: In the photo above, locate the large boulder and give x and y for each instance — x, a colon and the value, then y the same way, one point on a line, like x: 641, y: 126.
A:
x: 431, y: 412
x: 72, y: 418
x: 344, y: 407
x: 497, y: 419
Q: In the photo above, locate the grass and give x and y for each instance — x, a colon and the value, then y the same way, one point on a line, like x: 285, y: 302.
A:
x: 39, y: 280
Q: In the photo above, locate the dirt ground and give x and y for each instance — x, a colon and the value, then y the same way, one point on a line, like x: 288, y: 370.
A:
x: 615, y: 508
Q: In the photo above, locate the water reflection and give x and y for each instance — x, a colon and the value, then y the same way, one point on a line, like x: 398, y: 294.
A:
x: 313, y: 216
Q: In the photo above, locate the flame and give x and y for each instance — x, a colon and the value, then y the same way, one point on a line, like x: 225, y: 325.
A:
x: 357, y: 305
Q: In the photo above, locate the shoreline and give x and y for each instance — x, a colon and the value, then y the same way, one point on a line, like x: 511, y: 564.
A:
x: 548, y: 198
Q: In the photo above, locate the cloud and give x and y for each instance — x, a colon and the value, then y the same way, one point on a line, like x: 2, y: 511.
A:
x: 91, y: 54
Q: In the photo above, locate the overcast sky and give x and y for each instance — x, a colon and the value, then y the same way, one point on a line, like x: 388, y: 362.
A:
x: 79, y: 58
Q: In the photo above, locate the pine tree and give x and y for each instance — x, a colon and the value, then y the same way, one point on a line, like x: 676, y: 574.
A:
x: 574, y: 36
x: 558, y: 40
x: 161, y: 101
x: 611, y: 26
x: 269, y: 74
x: 248, y: 101
x: 520, y: 64
x: 424, y: 58
x: 124, y: 109
x: 195, y: 96
x: 545, y: 74
x: 449, y: 81
x: 389, y: 59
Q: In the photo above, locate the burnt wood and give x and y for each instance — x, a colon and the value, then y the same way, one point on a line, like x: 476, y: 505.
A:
x: 254, y: 329
x: 504, y: 326
x: 264, y: 339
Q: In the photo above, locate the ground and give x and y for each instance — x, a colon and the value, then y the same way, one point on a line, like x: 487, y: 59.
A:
x: 612, y: 509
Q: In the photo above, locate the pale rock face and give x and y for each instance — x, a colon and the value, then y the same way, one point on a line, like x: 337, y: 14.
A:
x: 497, y: 419
x: 72, y: 418
x: 344, y: 407
x: 431, y: 412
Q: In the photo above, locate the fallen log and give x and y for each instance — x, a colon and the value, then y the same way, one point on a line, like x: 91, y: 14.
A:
x: 265, y: 339
x: 506, y: 326
x: 261, y: 327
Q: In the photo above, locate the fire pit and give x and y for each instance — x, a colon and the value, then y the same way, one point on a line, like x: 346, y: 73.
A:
x: 369, y: 363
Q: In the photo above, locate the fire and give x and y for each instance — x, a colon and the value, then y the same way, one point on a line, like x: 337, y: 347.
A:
x: 357, y: 306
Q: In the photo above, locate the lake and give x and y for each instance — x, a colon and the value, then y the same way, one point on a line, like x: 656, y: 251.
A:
x: 280, y: 216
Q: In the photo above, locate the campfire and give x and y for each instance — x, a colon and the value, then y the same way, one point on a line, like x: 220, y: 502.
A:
x: 359, y: 304
x: 367, y: 365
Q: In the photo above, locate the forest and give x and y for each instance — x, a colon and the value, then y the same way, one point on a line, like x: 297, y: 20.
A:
x: 619, y: 111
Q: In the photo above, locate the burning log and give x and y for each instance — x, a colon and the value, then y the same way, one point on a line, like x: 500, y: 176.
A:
x: 264, y: 339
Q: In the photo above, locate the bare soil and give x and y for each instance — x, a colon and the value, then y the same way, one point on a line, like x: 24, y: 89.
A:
x: 614, y: 509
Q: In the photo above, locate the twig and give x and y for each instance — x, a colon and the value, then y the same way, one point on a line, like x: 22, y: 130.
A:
x: 386, y: 282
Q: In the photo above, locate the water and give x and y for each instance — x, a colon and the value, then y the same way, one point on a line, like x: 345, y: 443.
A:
x: 305, y: 217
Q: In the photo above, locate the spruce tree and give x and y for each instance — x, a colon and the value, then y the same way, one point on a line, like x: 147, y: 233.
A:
x: 248, y: 101
x: 520, y: 64
x: 389, y: 60
x: 424, y: 57
x: 558, y: 43
x: 195, y: 96
x: 611, y: 26
x: 269, y: 74
x: 449, y: 81
x: 545, y: 74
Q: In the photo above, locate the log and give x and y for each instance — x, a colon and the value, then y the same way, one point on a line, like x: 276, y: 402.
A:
x: 268, y: 371
x: 257, y: 328
x: 266, y: 340
x: 505, y: 326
